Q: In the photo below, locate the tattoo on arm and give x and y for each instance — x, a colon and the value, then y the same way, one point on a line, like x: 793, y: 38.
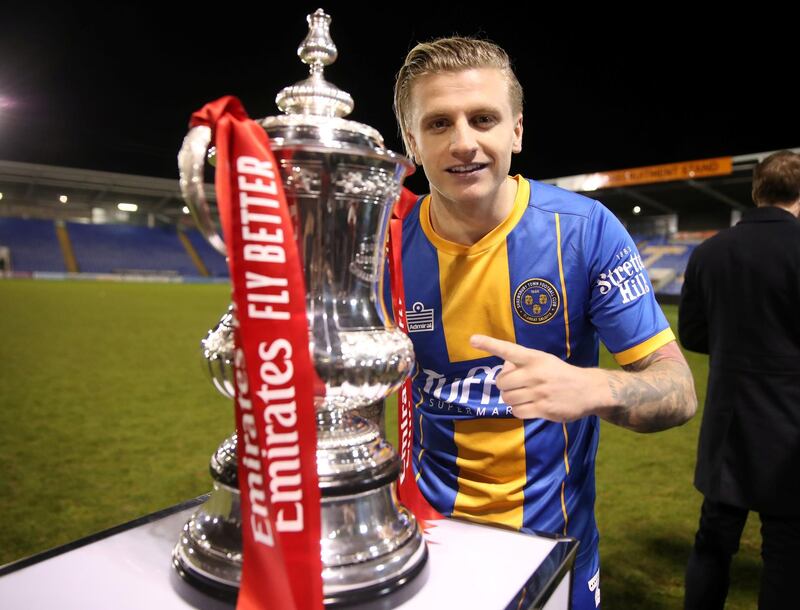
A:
x: 655, y: 393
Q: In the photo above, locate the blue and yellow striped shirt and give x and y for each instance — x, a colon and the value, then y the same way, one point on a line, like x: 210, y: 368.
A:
x: 557, y: 275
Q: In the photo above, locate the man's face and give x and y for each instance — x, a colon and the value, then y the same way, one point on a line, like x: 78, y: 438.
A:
x: 463, y: 131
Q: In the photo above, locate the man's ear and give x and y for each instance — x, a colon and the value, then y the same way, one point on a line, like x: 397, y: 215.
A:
x: 517, y: 143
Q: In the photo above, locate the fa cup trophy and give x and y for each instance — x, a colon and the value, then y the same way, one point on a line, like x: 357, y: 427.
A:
x: 340, y: 183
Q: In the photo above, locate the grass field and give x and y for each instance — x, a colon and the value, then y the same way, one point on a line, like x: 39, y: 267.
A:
x: 647, y: 511
x: 106, y: 414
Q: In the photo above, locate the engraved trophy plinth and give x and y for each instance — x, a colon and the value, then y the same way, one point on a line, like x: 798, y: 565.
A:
x: 340, y: 183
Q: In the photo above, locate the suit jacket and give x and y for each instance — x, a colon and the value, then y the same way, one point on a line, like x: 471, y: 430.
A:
x: 741, y: 305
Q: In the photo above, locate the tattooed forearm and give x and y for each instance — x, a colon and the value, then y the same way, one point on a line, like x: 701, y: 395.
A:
x: 656, y: 392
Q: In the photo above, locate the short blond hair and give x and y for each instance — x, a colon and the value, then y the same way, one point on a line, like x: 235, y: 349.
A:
x: 451, y: 54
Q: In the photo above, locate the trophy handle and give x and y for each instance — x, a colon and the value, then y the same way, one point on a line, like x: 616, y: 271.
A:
x: 191, y: 162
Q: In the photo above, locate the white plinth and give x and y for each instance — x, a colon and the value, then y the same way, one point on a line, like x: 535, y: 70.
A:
x: 130, y: 568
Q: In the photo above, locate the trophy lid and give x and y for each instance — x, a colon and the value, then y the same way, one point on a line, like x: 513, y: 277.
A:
x: 314, y: 109
x: 315, y: 95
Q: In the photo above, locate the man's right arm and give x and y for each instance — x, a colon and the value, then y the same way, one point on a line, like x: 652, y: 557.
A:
x: 692, y: 320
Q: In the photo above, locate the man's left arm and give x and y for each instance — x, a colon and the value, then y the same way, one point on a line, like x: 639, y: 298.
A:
x: 654, y: 393
x: 651, y: 394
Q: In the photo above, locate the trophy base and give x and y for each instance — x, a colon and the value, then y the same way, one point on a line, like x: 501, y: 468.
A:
x: 217, y: 572
x: 209, y: 551
x: 203, y: 582
x: 370, y: 545
x: 229, y: 592
x: 353, y: 584
x: 363, y: 582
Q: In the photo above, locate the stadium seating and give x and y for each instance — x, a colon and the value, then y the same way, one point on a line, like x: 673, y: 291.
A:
x: 665, y: 260
x: 33, y: 243
x: 213, y: 260
x: 129, y: 249
x: 117, y: 248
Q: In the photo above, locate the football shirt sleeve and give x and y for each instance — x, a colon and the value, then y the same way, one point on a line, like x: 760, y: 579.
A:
x: 623, y: 306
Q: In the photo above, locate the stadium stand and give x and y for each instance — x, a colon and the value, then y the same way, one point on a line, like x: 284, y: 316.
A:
x: 33, y: 245
x: 125, y: 249
x: 665, y: 259
x: 57, y: 219
x: 213, y: 260
x: 672, y: 288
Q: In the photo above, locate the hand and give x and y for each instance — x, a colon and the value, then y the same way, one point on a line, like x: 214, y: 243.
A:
x: 537, y: 384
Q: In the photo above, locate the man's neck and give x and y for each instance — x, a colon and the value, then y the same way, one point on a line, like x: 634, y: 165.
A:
x: 468, y: 223
x: 792, y: 208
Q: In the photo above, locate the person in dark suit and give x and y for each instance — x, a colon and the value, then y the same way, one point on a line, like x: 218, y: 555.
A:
x: 741, y: 305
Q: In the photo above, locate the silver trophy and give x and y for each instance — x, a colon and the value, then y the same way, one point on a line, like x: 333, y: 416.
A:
x: 340, y: 183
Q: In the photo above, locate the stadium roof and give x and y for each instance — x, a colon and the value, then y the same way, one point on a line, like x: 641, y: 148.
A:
x: 707, y: 188
x: 34, y: 191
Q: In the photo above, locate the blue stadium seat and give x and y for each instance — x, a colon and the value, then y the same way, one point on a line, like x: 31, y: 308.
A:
x: 213, y: 260
x: 118, y: 248
x: 671, y: 264
x: 33, y: 243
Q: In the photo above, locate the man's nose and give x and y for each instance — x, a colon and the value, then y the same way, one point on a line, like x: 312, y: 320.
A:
x: 463, y: 143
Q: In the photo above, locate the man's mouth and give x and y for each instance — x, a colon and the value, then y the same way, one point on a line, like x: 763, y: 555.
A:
x: 468, y: 168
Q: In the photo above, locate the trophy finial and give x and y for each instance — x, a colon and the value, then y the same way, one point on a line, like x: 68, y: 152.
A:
x: 315, y: 95
x: 318, y: 49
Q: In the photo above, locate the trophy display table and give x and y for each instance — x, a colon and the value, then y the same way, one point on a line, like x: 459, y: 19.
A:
x: 129, y: 566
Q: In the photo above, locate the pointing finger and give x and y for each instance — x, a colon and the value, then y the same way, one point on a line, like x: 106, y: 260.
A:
x: 502, y: 349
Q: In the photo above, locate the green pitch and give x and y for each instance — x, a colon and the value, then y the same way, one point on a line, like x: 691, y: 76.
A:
x: 106, y: 415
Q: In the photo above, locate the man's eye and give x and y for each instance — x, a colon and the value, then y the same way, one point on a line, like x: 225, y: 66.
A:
x: 438, y: 124
x: 485, y: 119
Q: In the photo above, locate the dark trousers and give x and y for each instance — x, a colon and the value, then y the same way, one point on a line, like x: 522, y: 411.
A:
x: 716, y: 542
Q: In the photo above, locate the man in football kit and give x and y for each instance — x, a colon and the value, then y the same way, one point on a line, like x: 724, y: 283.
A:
x: 508, y: 283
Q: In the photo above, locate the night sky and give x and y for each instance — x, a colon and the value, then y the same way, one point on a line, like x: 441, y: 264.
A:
x: 111, y: 87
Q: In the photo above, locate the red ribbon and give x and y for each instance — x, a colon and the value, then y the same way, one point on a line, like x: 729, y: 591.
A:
x: 407, y: 490
x: 275, y: 378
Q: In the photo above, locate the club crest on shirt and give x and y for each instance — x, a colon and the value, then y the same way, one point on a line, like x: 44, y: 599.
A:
x: 419, y: 319
x: 536, y: 301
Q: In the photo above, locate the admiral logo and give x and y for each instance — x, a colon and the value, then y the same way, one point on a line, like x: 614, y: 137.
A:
x: 419, y: 319
x: 630, y: 278
x: 536, y: 301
